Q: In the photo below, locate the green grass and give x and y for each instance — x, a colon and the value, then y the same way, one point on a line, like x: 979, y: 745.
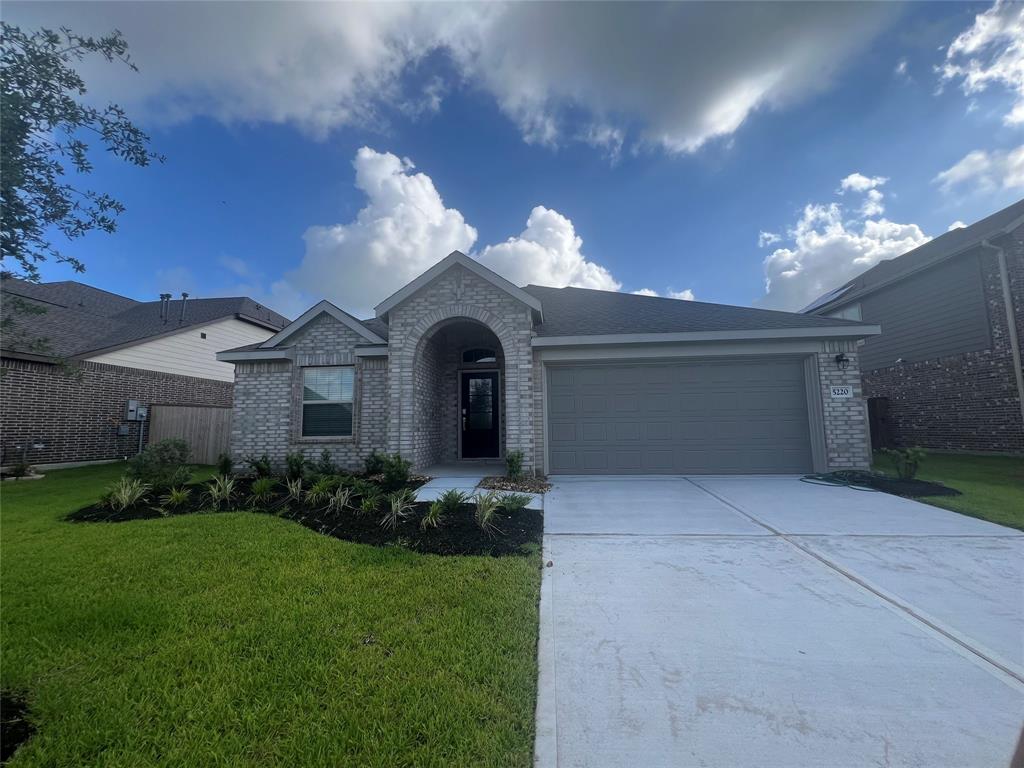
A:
x: 244, y: 639
x: 992, y: 486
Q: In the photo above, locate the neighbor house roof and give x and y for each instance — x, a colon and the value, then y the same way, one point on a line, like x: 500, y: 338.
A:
x: 80, y: 320
x: 944, y: 246
x: 585, y: 312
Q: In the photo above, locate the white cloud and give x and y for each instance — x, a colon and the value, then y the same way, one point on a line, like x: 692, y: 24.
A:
x: 547, y: 252
x: 901, y: 71
x: 684, y: 295
x: 405, y: 228
x: 858, y: 182
x: 827, y: 249
x: 985, y: 171
x: 955, y: 225
x: 991, y: 52
x: 767, y: 238
x: 674, y: 76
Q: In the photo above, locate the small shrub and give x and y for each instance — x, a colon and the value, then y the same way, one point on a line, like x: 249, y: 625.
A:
x: 225, y: 464
x: 375, y: 462
x: 514, y: 464
x: 21, y: 469
x: 487, y: 505
x: 369, y: 504
x: 321, y: 489
x: 294, y: 489
x: 338, y: 501
x: 396, y: 472
x: 161, y: 465
x: 434, y: 516
x: 397, y: 509
x: 175, y: 498
x: 906, y: 460
x: 513, y: 502
x: 325, y: 465
x: 220, y: 491
x: 451, y: 500
x: 262, y: 491
x: 260, y: 465
x: 126, y: 493
x: 294, y: 466
x: 363, y: 488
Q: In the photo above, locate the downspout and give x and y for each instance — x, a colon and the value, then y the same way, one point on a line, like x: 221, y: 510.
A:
x: 1011, y: 322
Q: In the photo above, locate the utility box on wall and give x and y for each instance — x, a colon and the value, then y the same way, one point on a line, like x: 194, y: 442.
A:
x: 136, y: 411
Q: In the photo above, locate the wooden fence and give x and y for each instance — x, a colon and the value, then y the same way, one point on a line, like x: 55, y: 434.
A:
x: 207, y: 429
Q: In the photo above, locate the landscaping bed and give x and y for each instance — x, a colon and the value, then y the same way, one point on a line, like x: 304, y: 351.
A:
x: 15, y: 727
x: 537, y: 484
x: 910, y: 488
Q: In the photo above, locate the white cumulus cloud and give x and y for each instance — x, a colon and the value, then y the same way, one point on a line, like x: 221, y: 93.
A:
x: 405, y: 228
x: 956, y: 225
x: 858, y: 182
x: 991, y: 52
x: 985, y: 171
x: 670, y: 75
x: 828, y: 247
x: 685, y: 295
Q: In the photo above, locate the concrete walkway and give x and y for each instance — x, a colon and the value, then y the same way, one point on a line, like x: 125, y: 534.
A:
x: 727, y: 621
x: 464, y: 477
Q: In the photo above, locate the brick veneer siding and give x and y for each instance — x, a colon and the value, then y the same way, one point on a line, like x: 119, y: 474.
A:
x: 847, y: 445
x: 268, y: 399
x: 76, y: 410
x: 966, y: 402
x: 458, y: 293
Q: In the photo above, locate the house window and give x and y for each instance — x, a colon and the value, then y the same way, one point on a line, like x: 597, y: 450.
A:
x: 481, y: 355
x: 849, y: 312
x: 327, y: 401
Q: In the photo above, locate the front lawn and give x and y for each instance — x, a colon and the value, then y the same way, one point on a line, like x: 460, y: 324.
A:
x: 246, y: 639
x: 992, y: 486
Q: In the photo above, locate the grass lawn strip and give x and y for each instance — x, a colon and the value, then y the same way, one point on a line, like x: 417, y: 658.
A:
x: 243, y: 639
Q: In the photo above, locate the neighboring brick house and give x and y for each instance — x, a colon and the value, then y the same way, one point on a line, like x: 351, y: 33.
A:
x: 945, y: 373
x: 72, y: 356
x: 461, y: 365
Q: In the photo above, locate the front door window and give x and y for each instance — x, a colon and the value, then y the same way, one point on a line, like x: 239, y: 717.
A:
x: 480, y: 421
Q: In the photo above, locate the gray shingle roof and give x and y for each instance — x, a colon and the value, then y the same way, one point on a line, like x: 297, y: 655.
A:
x: 80, y: 319
x: 586, y: 312
x: 941, y: 247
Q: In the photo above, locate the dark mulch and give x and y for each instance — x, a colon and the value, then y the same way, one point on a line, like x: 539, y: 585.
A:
x: 15, y: 729
x: 909, y: 488
x: 457, y: 535
x: 537, y: 484
x: 520, y: 533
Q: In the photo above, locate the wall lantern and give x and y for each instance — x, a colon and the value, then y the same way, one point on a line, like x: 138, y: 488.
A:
x: 842, y: 362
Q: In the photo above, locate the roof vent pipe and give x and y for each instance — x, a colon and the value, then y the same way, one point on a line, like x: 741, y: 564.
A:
x: 184, y: 298
x: 165, y: 306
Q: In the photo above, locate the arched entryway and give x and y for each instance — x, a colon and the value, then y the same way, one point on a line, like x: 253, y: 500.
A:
x: 459, y: 394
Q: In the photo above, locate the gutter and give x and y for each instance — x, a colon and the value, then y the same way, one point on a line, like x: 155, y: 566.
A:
x: 858, y: 331
x: 1011, y: 321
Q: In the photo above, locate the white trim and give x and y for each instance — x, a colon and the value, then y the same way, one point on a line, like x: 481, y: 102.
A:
x: 256, y: 354
x: 825, y: 332
x: 381, y: 350
x: 314, y: 312
x: 453, y: 258
x: 678, y: 350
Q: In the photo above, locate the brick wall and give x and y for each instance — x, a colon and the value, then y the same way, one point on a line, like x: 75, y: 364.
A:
x: 268, y: 400
x: 458, y: 293
x: 968, y: 402
x: 844, y: 419
x: 75, y: 411
x: 430, y: 391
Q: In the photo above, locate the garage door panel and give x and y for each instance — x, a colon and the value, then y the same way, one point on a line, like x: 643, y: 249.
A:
x: 742, y: 416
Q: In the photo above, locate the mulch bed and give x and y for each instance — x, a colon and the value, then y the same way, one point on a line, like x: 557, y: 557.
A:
x: 457, y: 535
x: 15, y: 729
x: 523, y: 485
x: 911, y: 489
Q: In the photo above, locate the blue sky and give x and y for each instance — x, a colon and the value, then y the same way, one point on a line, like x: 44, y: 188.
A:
x: 667, y: 165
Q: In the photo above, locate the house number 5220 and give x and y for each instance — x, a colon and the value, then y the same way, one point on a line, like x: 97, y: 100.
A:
x: 842, y: 391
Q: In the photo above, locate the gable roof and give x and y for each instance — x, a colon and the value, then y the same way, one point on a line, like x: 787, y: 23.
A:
x: 570, y: 312
x: 944, y: 246
x: 452, y: 259
x: 324, y: 307
x: 81, y: 320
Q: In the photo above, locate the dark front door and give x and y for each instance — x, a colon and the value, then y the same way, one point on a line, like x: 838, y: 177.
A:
x: 480, y: 423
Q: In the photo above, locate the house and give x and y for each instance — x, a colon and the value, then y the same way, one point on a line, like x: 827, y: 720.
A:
x: 460, y: 364
x: 945, y: 373
x: 72, y: 356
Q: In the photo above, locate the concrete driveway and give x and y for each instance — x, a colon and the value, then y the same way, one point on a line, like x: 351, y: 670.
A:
x: 742, y: 621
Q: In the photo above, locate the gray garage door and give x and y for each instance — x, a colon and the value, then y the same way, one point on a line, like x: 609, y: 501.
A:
x: 735, y: 416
